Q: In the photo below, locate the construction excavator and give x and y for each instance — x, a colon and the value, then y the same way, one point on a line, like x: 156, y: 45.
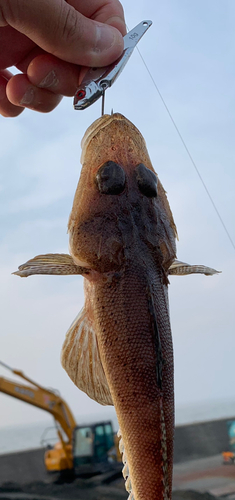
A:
x: 89, y: 449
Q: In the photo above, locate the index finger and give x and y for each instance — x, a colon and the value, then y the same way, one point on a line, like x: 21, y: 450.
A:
x: 61, y: 30
x: 103, y: 11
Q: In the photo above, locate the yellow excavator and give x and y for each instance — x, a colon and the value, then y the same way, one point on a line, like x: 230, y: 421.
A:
x: 86, y: 449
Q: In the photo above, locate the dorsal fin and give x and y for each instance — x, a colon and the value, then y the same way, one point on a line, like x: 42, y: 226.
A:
x: 81, y: 359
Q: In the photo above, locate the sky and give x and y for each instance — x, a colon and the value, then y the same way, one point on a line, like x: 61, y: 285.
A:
x: 189, y: 51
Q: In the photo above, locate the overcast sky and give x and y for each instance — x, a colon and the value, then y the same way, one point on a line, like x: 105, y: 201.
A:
x: 190, y: 51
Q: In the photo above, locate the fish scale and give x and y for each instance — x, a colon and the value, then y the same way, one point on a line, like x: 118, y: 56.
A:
x: 127, y: 348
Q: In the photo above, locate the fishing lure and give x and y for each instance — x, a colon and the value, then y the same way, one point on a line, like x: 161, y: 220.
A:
x: 97, y: 80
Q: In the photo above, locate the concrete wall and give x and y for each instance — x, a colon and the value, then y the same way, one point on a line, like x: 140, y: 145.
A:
x: 191, y: 441
x: 22, y: 467
x: 201, y: 440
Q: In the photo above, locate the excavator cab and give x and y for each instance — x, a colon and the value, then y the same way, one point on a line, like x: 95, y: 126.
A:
x: 93, y: 445
x: 94, y: 450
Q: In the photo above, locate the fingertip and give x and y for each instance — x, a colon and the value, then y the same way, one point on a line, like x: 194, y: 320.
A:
x: 21, y: 92
x: 57, y: 76
x: 14, y: 89
x: 7, y: 109
x: 118, y: 23
x: 109, y: 44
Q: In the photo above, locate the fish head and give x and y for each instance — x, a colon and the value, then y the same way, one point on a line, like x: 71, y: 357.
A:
x: 119, y: 202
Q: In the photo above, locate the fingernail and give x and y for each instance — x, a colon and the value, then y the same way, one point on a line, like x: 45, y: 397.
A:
x: 50, y: 80
x: 28, y: 97
x: 106, y: 37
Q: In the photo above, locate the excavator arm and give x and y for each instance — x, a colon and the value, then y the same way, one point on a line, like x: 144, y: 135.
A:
x: 36, y: 395
x: 42, y: 398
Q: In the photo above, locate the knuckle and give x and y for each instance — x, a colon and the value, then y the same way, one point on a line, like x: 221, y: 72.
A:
x: 71, y: 25
x: 3, y: 21
x: 9, y: 13
x: 116, y: 7
x: 120, y: 8
x: 115, y: 15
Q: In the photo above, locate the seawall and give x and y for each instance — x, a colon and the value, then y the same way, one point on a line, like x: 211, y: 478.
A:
x: 22, y: 467
x: 199, y: 440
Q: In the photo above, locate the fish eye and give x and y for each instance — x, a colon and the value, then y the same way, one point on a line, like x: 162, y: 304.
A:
x: 146, y: 180
x: 80, y: 94
x: 110, y: 178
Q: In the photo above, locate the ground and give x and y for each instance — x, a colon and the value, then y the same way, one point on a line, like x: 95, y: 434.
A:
x: 200, y: 479
x: 79, y: 490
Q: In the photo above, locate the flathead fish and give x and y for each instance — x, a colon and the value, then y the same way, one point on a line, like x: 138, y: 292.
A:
x: 119, y: 348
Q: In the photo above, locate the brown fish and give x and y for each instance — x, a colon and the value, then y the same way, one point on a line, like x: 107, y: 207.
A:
x: 119, y: 348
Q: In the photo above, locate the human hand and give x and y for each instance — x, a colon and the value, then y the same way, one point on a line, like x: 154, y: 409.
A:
x: 51, y: 42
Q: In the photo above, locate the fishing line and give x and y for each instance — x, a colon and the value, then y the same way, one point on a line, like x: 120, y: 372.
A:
x: 188, y: 152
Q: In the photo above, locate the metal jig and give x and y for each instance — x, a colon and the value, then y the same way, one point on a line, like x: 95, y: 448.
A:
x: 97, y: 80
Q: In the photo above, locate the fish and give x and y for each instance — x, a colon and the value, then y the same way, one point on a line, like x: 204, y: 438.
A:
x: 122, y: 239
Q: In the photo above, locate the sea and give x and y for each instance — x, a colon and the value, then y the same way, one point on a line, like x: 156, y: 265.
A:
x: 35, y: 435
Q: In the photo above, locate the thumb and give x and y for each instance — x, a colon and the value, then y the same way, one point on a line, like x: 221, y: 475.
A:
x: 61, y: 30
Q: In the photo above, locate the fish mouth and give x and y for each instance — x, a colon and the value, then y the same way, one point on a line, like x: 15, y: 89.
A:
x: 99, y: 124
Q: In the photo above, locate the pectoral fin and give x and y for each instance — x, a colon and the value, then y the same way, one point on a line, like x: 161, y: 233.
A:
x: 51, y: 263
x: 81, y: 359
x: 181, y: 269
